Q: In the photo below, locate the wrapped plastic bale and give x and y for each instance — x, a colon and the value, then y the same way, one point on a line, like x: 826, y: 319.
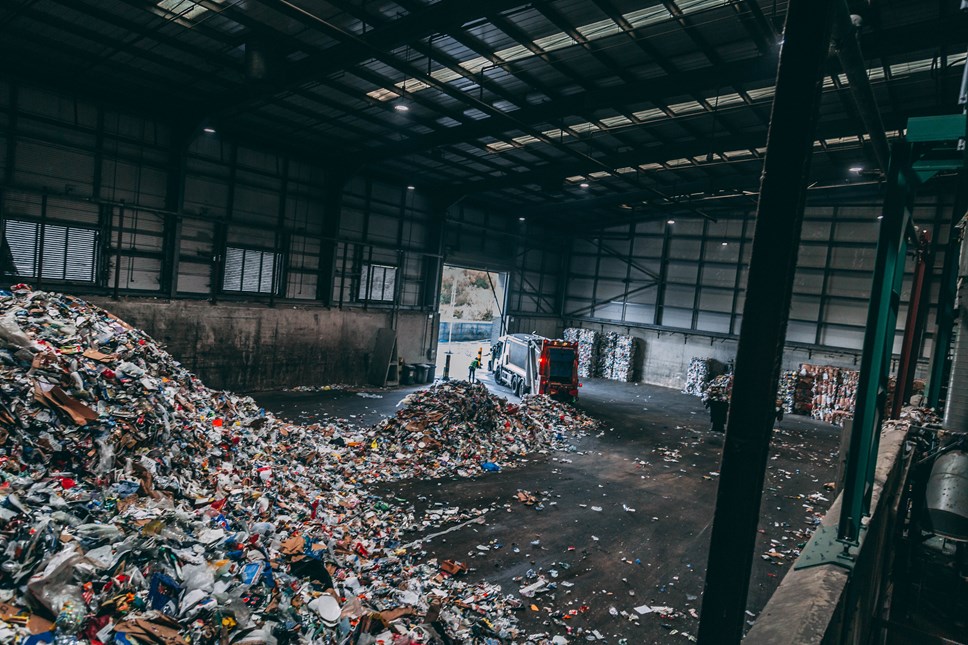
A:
x: 697, y: 376
x: 588, y: 350
x: 138, y: 505
x: 618, y: 355
x: 700, y: 372
x: 786, y: 393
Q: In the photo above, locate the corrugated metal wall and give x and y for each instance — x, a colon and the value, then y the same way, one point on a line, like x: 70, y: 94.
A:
x: 956, y: 408
x: 113, y: 172
x: 691, y: 275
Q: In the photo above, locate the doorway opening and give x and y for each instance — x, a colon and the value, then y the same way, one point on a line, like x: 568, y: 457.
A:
x: 471, y: 304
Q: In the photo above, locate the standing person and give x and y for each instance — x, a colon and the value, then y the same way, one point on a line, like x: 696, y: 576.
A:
x: 472, y: 369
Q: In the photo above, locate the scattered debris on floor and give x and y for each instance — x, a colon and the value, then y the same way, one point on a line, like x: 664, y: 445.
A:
x: 140, y: 506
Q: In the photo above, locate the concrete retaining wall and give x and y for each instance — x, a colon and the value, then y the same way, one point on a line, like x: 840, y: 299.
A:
x: 247, y: 347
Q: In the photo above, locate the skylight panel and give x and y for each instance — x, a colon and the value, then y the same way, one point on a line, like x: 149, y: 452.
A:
x: 647, y: 16
x: 185, y: 9
x: 599, y: 29
x: 555, y: 41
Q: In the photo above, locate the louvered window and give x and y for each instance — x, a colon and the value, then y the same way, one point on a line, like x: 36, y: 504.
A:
x: 249, y: 270
x: 58, y: 251
x: 378, y: 282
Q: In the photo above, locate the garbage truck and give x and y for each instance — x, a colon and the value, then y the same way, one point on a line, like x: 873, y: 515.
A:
x: 532, y: 364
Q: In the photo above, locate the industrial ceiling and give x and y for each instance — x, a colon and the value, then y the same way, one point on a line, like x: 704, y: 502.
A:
x: 546, y: 105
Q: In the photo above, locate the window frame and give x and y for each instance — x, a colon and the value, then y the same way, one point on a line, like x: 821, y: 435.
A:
x: 277, y: 259
x: 63, y: 261
x: 365, y: 273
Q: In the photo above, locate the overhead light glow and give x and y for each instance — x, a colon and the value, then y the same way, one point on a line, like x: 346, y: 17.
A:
x: 520, y: 219
x: 725, y: 243
x: 209, y: 130
x: 671, y: 221
x: 856, y: 168
x: 880, y: 217
x: 411, y: 187
x: 401, y: 107
x: 583, y: 185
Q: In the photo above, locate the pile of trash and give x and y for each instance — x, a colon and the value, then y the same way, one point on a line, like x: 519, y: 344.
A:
x: 718, y: 389
x: 460, y: 429
x: 139, y: 506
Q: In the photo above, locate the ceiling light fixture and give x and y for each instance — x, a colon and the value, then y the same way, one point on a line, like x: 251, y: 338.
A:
x: 520, y: 219
x: 856, y: 169
x: 880, y: 217
x: 671, y: 221
x: 209, y: 130
x: 583, y: 185
x: 725, y: 243
x: 411, y: 187
x: 401, y: 107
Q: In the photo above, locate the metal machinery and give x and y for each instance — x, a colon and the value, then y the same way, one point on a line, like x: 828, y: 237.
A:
x: 946, y: 496
x: 532, y: 364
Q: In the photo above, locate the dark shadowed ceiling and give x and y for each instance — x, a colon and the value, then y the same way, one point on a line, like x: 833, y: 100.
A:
x: 548, y: 103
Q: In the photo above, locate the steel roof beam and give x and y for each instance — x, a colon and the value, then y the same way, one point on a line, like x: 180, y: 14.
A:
x: 752, y: 70
x: 651, y: 154
x: 653, y: 90
x: 441, y: 17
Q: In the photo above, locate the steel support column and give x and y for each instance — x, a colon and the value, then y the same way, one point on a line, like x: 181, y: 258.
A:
x: 433, y: 263
x: 659, y: 311
x: 281, y: 240
x: 947, y: 297
x: 852, y: 60
x: 776, y: 238
x: 878, y: 345
x: 913, y: 327
x: 174, y: 200
x: 332, y: 208
x: 117, y: 251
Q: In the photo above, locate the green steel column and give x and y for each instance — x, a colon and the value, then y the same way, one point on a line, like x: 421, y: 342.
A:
x: 878, y: 345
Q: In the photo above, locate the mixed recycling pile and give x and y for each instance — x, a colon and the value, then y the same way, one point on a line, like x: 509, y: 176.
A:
x: 139, y: 506
x: 719, y: 389
x: 823, y: 392
x: 603, y: 355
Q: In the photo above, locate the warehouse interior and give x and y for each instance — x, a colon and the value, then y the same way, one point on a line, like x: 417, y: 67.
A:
x: 767, y: 197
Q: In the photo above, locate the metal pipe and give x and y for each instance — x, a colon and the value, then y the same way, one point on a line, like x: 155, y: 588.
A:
x: 847, y: 48
x: 912, y: 331
x: 779, y: 220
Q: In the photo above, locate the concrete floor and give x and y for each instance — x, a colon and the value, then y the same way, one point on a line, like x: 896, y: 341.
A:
x: 656, y: 456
